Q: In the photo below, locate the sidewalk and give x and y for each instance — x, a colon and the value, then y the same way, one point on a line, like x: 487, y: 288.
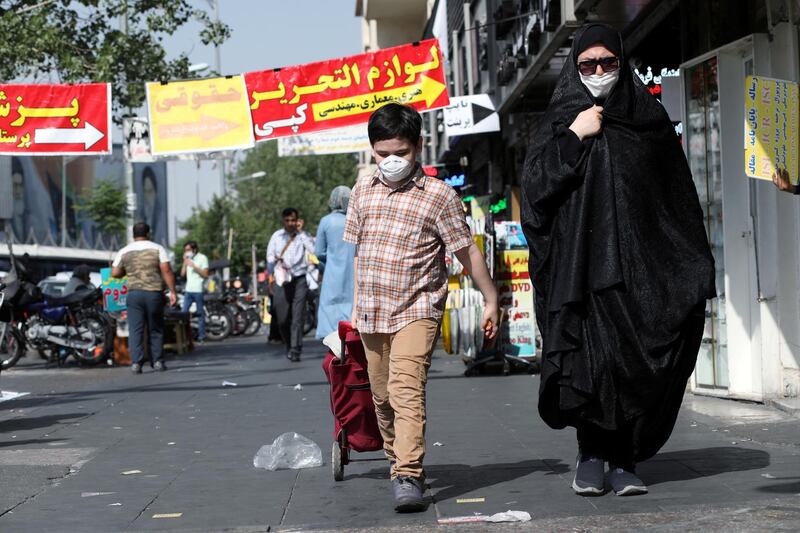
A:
x: 729, y: 466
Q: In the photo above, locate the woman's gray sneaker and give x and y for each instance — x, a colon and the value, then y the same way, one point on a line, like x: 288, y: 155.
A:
x: 625, y: 483
x: 589, y: 476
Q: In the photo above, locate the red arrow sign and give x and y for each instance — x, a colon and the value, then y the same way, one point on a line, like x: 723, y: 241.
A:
x: 55, y: 119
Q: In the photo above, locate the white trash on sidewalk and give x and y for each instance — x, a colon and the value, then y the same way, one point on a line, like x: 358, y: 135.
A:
x: 510, y: 516
x: 290, y: 450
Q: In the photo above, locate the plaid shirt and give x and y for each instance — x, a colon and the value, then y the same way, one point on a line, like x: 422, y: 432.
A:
x: 401, y: 236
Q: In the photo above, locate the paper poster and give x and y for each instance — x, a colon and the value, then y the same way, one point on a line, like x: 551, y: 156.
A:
x: 518, y: 335
x: 115, y: 291
x: 345, y: 91
x: 55, y: 119
x: 512, y: 279
x: 199, y: 116
x: 770, y: 129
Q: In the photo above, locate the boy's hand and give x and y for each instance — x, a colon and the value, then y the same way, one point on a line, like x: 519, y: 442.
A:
x: 781, y: 181
x: 490, y: 321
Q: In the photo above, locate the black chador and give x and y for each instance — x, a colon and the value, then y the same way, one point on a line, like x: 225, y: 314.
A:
x: 620, y: 263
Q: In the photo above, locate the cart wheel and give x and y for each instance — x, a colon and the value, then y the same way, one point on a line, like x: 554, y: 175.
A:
x: 336, y: 461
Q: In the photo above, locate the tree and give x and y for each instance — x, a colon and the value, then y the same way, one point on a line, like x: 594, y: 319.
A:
x: 106, y: 205
x: 74, y: 41
x: 254, y: 213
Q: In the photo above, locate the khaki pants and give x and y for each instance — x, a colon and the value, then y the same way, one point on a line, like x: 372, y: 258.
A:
x: 398, y: 372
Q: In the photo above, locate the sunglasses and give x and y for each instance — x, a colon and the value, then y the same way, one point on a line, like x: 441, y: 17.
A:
x: 589, y: 66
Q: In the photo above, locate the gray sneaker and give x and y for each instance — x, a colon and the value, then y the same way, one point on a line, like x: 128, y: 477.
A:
x: 408, y: 495
x: 589, y: 476
x: 159, y: 366
x: 136, y: 368
x: 625, y: 482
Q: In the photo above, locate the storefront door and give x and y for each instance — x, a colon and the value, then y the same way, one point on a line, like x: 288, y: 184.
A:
x: 703, y: 148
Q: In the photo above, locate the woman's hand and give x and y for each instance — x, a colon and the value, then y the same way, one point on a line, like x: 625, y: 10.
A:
x: 588, y: 123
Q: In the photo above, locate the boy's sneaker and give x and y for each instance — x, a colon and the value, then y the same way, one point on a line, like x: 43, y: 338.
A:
x: 159, y: 366
x: 589, y: 476
x: 625, y: 483
x: 408, y: 495
x: 136, y: 368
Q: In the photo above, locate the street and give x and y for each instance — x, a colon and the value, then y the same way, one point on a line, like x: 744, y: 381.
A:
x: 103, y: 450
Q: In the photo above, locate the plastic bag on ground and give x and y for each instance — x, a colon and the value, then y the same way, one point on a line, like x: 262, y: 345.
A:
x: 290, y: 450
x: 509, y: 516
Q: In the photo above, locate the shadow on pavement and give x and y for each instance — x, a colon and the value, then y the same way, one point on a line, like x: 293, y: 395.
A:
x: 450, y: 481
x: 18, y: 443
x: 24, y: 423
x: 785, y: 488
x: 702, y: 462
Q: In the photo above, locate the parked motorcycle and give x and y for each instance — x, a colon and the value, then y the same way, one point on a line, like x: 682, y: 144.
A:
x: 12, y: 343
x: 59, y: 327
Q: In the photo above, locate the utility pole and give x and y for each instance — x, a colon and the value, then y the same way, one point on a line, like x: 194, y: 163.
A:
x: 254, y: 273
x: 130, y: 196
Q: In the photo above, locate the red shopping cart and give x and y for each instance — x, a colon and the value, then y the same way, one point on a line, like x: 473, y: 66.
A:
x: 355, y: 423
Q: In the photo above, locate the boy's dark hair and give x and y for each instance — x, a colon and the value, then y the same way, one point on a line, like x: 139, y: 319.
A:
x: 289, y: 211
x: 141, y: 229
x: 192, y: 244
x: 395, y: 121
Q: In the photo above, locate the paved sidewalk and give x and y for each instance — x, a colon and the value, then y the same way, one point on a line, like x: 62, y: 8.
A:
x: 730, y: 466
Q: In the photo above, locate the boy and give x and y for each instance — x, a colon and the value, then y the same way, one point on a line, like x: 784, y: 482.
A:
x: 401, y: 222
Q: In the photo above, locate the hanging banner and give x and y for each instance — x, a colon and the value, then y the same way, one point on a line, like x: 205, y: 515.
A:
x: 115, y: 291
x: 55, y: 119
x: 770, y: 129
x: 136, y: 137
x: 342, y: 92
x: 199, y: 116
x: 339, y: 141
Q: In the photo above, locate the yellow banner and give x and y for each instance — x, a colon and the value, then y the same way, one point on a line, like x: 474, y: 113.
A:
x: 770, y: 127
x: 199, y: 116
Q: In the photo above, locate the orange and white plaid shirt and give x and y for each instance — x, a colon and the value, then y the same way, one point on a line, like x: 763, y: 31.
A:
x: 401, y: 237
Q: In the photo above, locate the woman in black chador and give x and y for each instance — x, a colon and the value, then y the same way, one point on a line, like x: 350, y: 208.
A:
x: 619, y: 260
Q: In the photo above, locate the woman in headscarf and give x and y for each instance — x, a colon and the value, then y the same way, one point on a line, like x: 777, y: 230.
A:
x: 620, y: 263
x: 336, y: 262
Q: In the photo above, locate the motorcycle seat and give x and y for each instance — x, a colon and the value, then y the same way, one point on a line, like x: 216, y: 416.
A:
x: 76, y: 297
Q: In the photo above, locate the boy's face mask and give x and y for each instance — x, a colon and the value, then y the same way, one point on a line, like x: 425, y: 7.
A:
x: 394, y: 168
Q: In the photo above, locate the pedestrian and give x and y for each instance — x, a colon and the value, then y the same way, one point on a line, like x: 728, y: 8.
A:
x: 195, y: 270
x: 620, y: 263
x: 147, y: 266
x: 287, y: 261
x: 336, y: 262
x: 402, y: 223
x: 79, y: 281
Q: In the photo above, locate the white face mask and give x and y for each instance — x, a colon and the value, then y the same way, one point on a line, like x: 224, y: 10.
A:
x: 395, y: 168
x: 600, y: 86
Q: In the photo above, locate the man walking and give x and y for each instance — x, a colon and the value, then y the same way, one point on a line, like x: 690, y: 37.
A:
x: 286, y: 261
x: 147, y: 267
x: 402, y: 222
x: 195, y: 270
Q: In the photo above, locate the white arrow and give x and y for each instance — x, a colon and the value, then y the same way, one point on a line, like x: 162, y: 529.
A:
x: 88, y: 135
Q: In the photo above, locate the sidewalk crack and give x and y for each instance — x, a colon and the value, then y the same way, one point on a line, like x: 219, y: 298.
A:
x: 289, y: 500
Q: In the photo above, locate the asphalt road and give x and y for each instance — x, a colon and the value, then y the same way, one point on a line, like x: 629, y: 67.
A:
x: 101, y: 449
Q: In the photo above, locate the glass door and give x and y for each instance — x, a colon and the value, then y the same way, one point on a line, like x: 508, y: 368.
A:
x: 703, y: 148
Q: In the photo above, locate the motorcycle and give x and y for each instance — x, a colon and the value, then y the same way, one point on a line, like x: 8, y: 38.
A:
x: 12, y: 343
x: 251, y: 308
x: 58, y: 327
x: 219, y: 322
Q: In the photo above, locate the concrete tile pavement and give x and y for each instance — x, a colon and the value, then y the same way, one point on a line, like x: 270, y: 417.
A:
x: 194, y: 441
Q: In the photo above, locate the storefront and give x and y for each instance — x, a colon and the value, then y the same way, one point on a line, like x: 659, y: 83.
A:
x: 751, y: 345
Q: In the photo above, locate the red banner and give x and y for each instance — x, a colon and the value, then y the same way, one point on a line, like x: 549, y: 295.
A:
x: 55, y: 119
x: 345, y: 91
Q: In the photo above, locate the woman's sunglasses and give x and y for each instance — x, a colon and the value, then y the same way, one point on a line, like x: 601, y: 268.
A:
x: 589, y: 66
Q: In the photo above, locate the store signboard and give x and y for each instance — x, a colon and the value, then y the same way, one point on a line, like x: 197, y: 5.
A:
x: 115, y: 291
x: 345, y: 91
x: 467, y: 115
x: 339, y: 141
x: 194, y: 116
x: 55, y: 119
x: 770, y: 127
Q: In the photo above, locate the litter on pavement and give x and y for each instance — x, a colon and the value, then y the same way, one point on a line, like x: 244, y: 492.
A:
x: 290, y: 450
x: 471, y: 500
x: 508, y: 516
x: 131, y: 472
x: 92, y: 494
x: 168, y: 515
x: 298, y: 387
x: 227, y: 383
x: 438, y: 444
